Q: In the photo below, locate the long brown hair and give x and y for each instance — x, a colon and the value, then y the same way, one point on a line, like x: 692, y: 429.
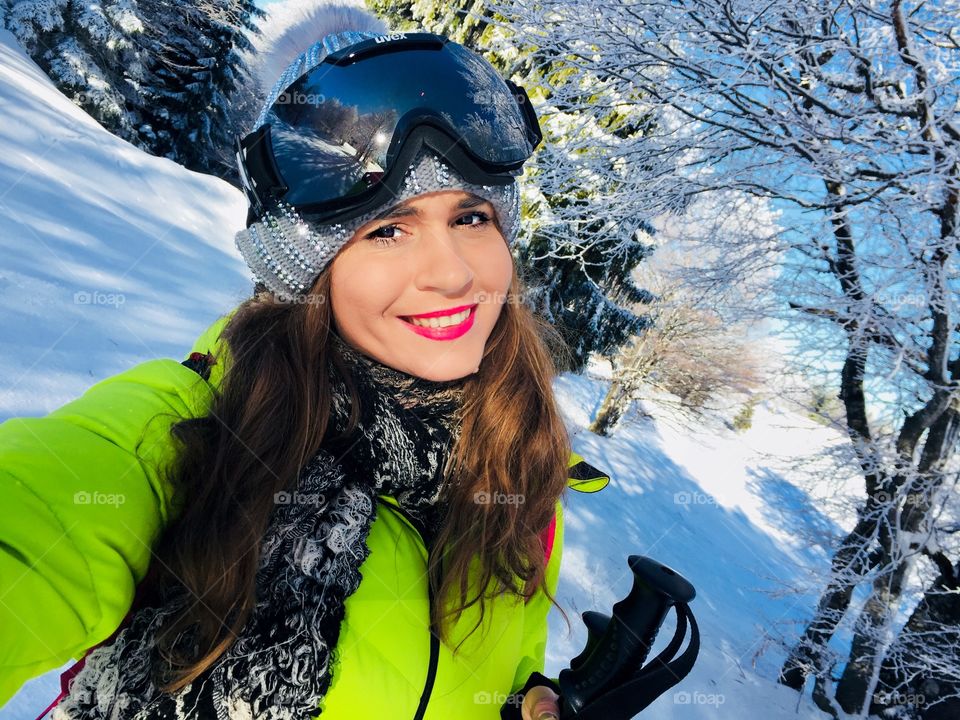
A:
x: 267, y: 420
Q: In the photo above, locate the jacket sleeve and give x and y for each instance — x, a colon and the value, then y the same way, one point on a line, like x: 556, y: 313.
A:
x: 533, y: 655
x: 82, y: 500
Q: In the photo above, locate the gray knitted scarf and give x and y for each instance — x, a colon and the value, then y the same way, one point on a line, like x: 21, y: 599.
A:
x: 280, y: 666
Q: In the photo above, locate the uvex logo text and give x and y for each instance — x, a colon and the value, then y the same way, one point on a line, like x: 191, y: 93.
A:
x: 391, y: 36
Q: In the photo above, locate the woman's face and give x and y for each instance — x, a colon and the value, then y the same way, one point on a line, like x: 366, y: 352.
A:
x: 436, y: 252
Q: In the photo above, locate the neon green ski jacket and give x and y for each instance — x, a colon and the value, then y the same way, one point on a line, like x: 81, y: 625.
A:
x: 83, y: 499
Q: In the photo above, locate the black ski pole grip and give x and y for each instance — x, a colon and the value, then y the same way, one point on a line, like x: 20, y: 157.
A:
x: 596, y: 623
x: 618, y: 645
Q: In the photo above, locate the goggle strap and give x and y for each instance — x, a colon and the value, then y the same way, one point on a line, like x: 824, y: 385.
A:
x: 259, y: 173
x: 533, y: 123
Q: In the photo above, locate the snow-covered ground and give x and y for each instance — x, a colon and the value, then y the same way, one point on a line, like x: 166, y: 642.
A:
x: 111, y: 257
x: 721, y: 507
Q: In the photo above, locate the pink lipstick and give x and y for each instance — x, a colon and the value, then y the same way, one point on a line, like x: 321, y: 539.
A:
x: 451, y: 332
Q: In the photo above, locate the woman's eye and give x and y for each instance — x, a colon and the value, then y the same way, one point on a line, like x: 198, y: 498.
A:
x: 382, y: 239
x: 378, y: 236
x: 484, y: 218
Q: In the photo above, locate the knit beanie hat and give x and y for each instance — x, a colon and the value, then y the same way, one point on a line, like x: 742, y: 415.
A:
x: 286, y: 253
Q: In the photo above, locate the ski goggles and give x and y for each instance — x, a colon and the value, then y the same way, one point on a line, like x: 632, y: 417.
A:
x: 337, y: 142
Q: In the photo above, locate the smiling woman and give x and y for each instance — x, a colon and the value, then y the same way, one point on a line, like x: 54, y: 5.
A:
x: 423, y: 293
x: 357, y: 468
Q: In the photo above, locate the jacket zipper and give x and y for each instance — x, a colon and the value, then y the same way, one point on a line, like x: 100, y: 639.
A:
x: 434, y: 640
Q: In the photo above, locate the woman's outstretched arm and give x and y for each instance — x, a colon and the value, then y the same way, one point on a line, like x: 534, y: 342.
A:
x: 82, y: 500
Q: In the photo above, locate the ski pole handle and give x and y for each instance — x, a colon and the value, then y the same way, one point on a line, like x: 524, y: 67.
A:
x: 617, y: 646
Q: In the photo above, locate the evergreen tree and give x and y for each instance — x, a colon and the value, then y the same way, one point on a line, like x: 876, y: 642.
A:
x: 90, y: 51
x: 158, y: 74
x: 586, y: 295
x: 191, y: 75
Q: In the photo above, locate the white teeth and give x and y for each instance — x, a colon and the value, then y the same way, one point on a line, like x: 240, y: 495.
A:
x: 444, y: 321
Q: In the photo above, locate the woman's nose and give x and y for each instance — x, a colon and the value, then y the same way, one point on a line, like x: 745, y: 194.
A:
x: 441, y: 265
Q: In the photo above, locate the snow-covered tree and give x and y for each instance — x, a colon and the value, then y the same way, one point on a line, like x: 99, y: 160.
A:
x: 586, y: 290
x: 91, y: 52
x: 158, y: 74
x: 699, y: 351
x: 919, y: 668
x: 844, y: 114
x: 194, y: 56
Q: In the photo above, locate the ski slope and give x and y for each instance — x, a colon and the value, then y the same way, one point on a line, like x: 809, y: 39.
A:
x: 111, y: 257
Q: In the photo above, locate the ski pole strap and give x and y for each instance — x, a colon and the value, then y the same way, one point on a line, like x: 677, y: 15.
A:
x: 650, y: 682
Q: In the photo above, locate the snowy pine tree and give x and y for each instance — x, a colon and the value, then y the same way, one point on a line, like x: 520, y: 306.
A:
x: 586, y: 294
x: 157, y: 74
x: 191, y: 76
x: 89, y: 50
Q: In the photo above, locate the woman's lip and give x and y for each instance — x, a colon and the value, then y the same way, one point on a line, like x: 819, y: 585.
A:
x: 451, y: 332
x: 441, y: 313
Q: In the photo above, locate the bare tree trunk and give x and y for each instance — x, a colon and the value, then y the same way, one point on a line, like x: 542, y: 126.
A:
x: 881, y: 607
x: 611, y: 409
x: 848, y: 566
x: 914, y: 675
x: 852, y: 560
x: 871, y: 628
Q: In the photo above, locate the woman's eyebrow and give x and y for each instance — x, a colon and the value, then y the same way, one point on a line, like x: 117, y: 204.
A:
x: 402, y: 210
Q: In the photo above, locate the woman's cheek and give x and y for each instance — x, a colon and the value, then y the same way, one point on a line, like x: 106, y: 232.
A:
x: 501, y: 269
